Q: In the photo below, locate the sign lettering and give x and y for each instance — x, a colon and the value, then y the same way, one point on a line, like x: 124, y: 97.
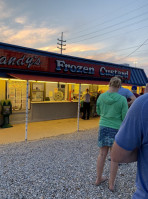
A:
x: 19, y: 60
x: 61, y: 65
x: 114, y: 72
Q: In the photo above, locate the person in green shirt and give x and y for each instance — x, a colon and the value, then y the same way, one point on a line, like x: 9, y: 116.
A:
x: 112, y: 108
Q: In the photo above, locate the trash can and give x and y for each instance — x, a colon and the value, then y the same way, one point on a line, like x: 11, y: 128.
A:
x: 6, y: 111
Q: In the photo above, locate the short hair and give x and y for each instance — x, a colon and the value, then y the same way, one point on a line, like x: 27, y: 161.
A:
x: 121, y: 78
x: 115, y: 82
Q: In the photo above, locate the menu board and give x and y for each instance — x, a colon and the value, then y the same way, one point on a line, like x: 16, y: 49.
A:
x: 37, y: 92
x: 16, y: 92
x: 37, y: 96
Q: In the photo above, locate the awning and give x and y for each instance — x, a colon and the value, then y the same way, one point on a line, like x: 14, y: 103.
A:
x: 56, y: 79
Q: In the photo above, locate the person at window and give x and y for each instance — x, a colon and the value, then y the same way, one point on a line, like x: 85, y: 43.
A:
x: 86, y: 105
x: 112, y: 108
x: 98, y: 94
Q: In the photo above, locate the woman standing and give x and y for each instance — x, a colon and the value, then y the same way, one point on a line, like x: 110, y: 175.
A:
x: 112, y: 108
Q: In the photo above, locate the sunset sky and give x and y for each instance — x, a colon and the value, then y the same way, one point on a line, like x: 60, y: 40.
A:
x: 107, y: 30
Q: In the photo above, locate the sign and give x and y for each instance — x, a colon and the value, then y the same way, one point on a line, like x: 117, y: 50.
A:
x: 25, y: 61
x: 14, y: 59
x: 63, y: 66
x: 111, y: 72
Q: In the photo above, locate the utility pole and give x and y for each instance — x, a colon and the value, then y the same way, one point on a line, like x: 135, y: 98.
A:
x: 61, y: 43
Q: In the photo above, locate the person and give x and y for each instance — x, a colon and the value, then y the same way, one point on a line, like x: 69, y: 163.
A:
x: 98, y: 94
x: 134, y: 91
x: 86, y: 105
x: 92, y: 105
x: 146, y: 88
x: 81, y: 107
x: 112, y: 108
x: 134, y: 132
x: 126, y: 93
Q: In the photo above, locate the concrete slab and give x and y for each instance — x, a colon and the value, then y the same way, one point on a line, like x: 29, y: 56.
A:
x: 40, y: 130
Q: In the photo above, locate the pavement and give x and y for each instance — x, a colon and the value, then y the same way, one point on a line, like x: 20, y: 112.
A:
x: 45, y: 129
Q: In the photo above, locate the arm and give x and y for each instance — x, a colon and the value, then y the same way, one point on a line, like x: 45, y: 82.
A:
x: 146, y: 88
x: 119, y: 154
x: 98, y: 107
x: 132, y: 100
x: 124, y: 108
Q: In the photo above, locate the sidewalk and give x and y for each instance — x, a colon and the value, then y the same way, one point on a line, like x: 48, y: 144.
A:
x: 39, y: 130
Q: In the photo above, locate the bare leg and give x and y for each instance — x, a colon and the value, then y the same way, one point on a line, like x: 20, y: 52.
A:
x: 100, y: 164
x: 113, y: 173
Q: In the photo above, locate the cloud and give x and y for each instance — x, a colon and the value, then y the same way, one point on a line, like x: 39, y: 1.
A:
x: 80, y: 48
x: 103, y: 57
x: 51, y: 48
x: 76, y: 49
x: 30, y: 36
x: 4, y: 10
x: 20, y: 20
x: 5, y: 33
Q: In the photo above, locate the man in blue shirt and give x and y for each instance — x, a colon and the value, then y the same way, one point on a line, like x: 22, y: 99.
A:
x: 131, y: 143
x: 126, y: 93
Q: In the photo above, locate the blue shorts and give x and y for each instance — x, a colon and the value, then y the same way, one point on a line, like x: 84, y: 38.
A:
x: 106, y: 136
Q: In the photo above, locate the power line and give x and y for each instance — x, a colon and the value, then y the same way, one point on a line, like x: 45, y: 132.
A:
x: 111, y: 21
x: 130, y: 47
x: 126, y: 5
x: 110, y: 31
x: 121, y: 22
x: 133, y: 30
x: 134, y: 50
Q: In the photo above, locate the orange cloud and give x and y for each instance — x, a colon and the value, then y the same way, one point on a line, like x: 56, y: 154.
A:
x: 31, y: 36
x: 75, y: 48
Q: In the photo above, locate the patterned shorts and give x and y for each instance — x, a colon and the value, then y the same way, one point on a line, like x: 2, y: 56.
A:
x: 106, y: 136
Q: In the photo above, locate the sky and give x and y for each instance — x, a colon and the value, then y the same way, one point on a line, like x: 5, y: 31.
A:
x: 113, y: 31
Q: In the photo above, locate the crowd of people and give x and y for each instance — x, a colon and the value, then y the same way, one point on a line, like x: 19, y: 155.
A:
x: 123, y: 131
x: 88, y: 101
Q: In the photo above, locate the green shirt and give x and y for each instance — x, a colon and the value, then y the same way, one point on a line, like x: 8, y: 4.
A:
x: 112, y: 108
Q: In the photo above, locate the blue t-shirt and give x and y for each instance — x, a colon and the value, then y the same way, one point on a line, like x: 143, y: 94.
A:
x: 132, y: 134
x: 125, y: 92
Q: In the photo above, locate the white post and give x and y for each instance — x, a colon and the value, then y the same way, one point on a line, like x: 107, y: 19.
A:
x: 26, y: 126
x: 139, y: 89
x: 78, y: 108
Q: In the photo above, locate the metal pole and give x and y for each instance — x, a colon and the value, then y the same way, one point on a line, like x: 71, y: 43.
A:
x: 61, y: 42
x: 26, y: 126
x: 78, y: 108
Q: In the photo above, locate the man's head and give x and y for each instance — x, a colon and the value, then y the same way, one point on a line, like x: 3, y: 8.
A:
x: 134, y: 89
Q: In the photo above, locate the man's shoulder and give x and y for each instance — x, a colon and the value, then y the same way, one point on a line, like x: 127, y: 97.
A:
x: 123, y: 89
x: 125, y: 92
